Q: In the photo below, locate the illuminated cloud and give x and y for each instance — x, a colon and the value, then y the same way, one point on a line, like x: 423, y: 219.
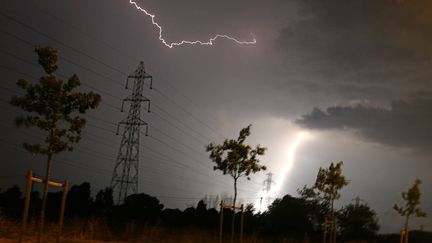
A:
x: 407, y: 123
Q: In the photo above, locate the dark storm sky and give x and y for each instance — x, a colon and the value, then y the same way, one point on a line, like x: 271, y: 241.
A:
x: 355, y: 76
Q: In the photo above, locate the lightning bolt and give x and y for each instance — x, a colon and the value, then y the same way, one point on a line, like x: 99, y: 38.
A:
x: 300, y: 137
x: 210, y: 42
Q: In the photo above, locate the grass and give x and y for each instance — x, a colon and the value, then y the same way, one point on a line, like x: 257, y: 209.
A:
x: 95, y: 232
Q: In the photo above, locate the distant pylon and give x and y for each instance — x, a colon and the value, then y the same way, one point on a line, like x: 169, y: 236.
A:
x: 268, y: 184
x: 124, y: 180
x: 357, y: 201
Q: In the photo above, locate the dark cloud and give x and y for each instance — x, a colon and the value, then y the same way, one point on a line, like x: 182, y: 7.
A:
x: 367, y: 43
x: 407, y: 123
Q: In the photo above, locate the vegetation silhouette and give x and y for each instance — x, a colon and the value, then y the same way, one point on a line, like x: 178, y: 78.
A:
x: 236, y: 159
x: 287, y: 218
x: 329, y: 181
x: 412, y: 200
x: 358, y: 222
x: 52, y: 106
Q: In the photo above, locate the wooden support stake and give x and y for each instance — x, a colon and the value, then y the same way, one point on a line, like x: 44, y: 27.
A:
x: 221, y: 222
x: 26, y: 205
x: 325, y: 231
x: 334, y: 231
x: 62, y: 210
x: 330, y: 230
x: 233, y: 207
x: 29, y: 184
x: 241, y: 223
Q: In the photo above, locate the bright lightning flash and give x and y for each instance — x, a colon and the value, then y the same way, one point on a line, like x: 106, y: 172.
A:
x: 210, y: 42
x: 283, y: 173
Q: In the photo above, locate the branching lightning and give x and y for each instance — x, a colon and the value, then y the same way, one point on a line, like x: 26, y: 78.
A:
x: 210, y: 42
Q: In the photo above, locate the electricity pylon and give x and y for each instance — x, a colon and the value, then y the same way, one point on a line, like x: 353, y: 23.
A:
x: 268, y: 184
x: 124, y: 180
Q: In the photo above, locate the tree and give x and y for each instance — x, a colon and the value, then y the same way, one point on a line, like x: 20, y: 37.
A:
x: 141, y: 208
x: 79, y: 201
x: 412, y: 200
x: 288, y: 217
x: 53, y: 105
x: 236, y: 159
x: 10, y: 202
x: 103, y: 202
x: 328, y: 183
x: 357, y: 221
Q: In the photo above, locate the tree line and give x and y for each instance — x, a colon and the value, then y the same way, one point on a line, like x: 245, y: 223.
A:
x: 287, y: 217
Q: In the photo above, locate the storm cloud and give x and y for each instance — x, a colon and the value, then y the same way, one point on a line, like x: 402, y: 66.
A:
x: 347, y: 47
x: 406, y: 123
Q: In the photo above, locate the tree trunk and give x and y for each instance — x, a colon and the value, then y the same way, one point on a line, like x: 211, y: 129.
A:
x: 406, y: 229
x: 44, y: 198
x: 233, y: 217
x: 332, y: 208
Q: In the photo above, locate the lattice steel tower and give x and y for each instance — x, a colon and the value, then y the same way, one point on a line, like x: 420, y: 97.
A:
x: 125, y: 176
x: 268, y: 184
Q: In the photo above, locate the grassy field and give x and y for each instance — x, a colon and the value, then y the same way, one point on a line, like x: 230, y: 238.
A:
x: 96, y: 232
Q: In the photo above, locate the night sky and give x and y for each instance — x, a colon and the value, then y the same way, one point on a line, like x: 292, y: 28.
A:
x: 326, y: 81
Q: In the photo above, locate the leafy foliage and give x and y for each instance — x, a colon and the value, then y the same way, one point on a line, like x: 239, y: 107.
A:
x: 289, y: 217
x: 357, y: 221
x: 79, y: 200
x: 235, y: 158
x: 412, y: 200
x: 52, y: 104
x: 328, y: 183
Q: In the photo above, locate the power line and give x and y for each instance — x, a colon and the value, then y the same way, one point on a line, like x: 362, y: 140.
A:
x: 108, y: 66
x: 92, y: 37
x: 108, y: 78
x: 68, y: 162
x: 86, y: 167
x: 160, y: 92
x: 60, y: 42
x: 101, y: 155
x: 60, y: 75
x: 187, y: 112
x: 82, y: 32
x: 175, y: 139
x: 179, y: 121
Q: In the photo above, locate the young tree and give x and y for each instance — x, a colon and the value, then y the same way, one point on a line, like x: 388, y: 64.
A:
x: 412, y: 200
x: 53, y: 106
x: 236, y: 159
x: 324, y: 192
x: 328, y: 183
